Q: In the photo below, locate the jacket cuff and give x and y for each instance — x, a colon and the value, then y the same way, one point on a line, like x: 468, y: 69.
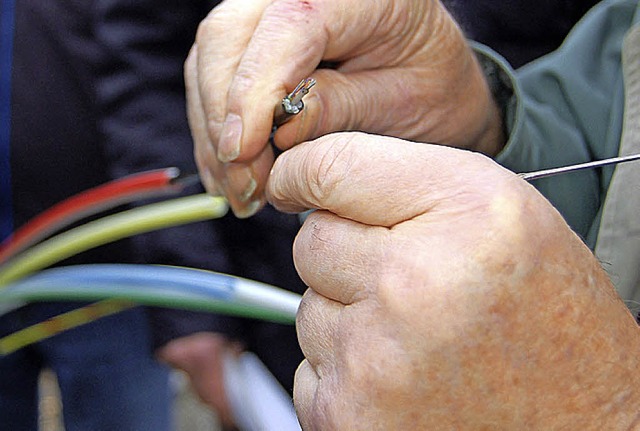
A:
x: 507, y: 94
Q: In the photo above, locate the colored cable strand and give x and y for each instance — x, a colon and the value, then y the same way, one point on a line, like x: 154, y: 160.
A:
x: 125, y: 285
x: 112, y: 228
x: 133, y: 187
x: 143, y: 219
x: 60, y: 323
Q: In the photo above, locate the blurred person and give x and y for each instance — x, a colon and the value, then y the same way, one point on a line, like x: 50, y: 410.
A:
x: 444, y: 291
x: 107, y: 376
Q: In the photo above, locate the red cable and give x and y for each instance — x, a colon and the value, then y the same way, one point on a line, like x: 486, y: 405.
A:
x: 94, y: 200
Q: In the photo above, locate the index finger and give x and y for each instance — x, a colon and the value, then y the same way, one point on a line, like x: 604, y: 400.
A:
x: 221, y: 40
x: 276, y: 43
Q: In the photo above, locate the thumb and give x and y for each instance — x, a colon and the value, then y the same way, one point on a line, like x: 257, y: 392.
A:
x: 378, y: 180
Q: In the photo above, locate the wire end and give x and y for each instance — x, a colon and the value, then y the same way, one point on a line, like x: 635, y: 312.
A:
x: 292, y: 104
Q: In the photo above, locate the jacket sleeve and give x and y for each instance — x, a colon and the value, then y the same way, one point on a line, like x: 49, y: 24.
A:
x: 568, y: 109
x: 140, y: 94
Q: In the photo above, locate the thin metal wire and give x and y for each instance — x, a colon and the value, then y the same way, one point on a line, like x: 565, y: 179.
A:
x: 301, y: 90
x: 529, y: 176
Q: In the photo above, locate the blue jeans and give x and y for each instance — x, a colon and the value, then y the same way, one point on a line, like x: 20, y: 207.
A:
x: 108, y: 378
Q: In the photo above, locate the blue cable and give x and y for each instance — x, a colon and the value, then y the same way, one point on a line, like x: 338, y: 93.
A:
x: 148, y: 277
x: 165, y: 286
x: 7, y: 14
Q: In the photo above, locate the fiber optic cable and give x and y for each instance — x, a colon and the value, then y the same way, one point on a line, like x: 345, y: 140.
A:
x: 125, y: 285
x: 60, y: 323
x: 143, y: 219
x: 111, y: 228
x: 133, y: 187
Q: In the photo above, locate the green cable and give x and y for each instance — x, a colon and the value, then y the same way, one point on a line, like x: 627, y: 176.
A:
x: 184, y: 301
x: 112, y: 228
x: 62, y: 322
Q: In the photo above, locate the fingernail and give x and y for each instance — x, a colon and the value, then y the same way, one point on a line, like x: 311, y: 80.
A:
x: 229, y: 145
x: 249, y: 210
x: 240, y: 182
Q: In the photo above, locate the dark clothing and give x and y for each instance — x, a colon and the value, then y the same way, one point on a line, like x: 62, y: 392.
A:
x: 520, y: 30
x: 108, y: 378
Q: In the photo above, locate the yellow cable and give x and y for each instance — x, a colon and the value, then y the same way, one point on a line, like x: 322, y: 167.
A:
x: 60, y: 323
x: 111, y: 228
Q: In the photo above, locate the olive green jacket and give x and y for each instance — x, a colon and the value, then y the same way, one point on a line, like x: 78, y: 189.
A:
x: 579, y: 104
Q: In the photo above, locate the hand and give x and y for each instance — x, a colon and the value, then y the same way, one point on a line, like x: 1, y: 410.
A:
x: 201, y: 356
x: 446, y: 293
x: 403, y: 68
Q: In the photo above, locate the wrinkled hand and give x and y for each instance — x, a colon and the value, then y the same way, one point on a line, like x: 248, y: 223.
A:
x: 402, y: 68
x: 446, y: 293
x: 201, y: 356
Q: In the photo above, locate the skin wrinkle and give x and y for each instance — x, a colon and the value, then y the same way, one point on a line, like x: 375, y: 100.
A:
x: 315, y: 352
x: 440, y: 127
x: 403, y: 103
x: 347, y: 102
x: 332, y: 170
x: 215, y: 111
x: 402, y: 40
x: 297, y: 14
x: 408, y: 98
x: 359, y: 39
x: 354, y: 108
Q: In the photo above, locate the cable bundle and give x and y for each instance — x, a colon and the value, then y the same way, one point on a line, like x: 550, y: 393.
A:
x: 24, y: 255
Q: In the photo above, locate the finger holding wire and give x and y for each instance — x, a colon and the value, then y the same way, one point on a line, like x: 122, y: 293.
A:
x: 401, y: 104
x: 403, y: 68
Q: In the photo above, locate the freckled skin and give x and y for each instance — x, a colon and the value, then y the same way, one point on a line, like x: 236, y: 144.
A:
x: 461, y: 302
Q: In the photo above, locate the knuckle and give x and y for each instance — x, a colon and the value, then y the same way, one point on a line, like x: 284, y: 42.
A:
x: 244, y: 80
x: 213, y: 22
x: 189, y: 68
x: 329, y: 165
x: 205, y: 28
